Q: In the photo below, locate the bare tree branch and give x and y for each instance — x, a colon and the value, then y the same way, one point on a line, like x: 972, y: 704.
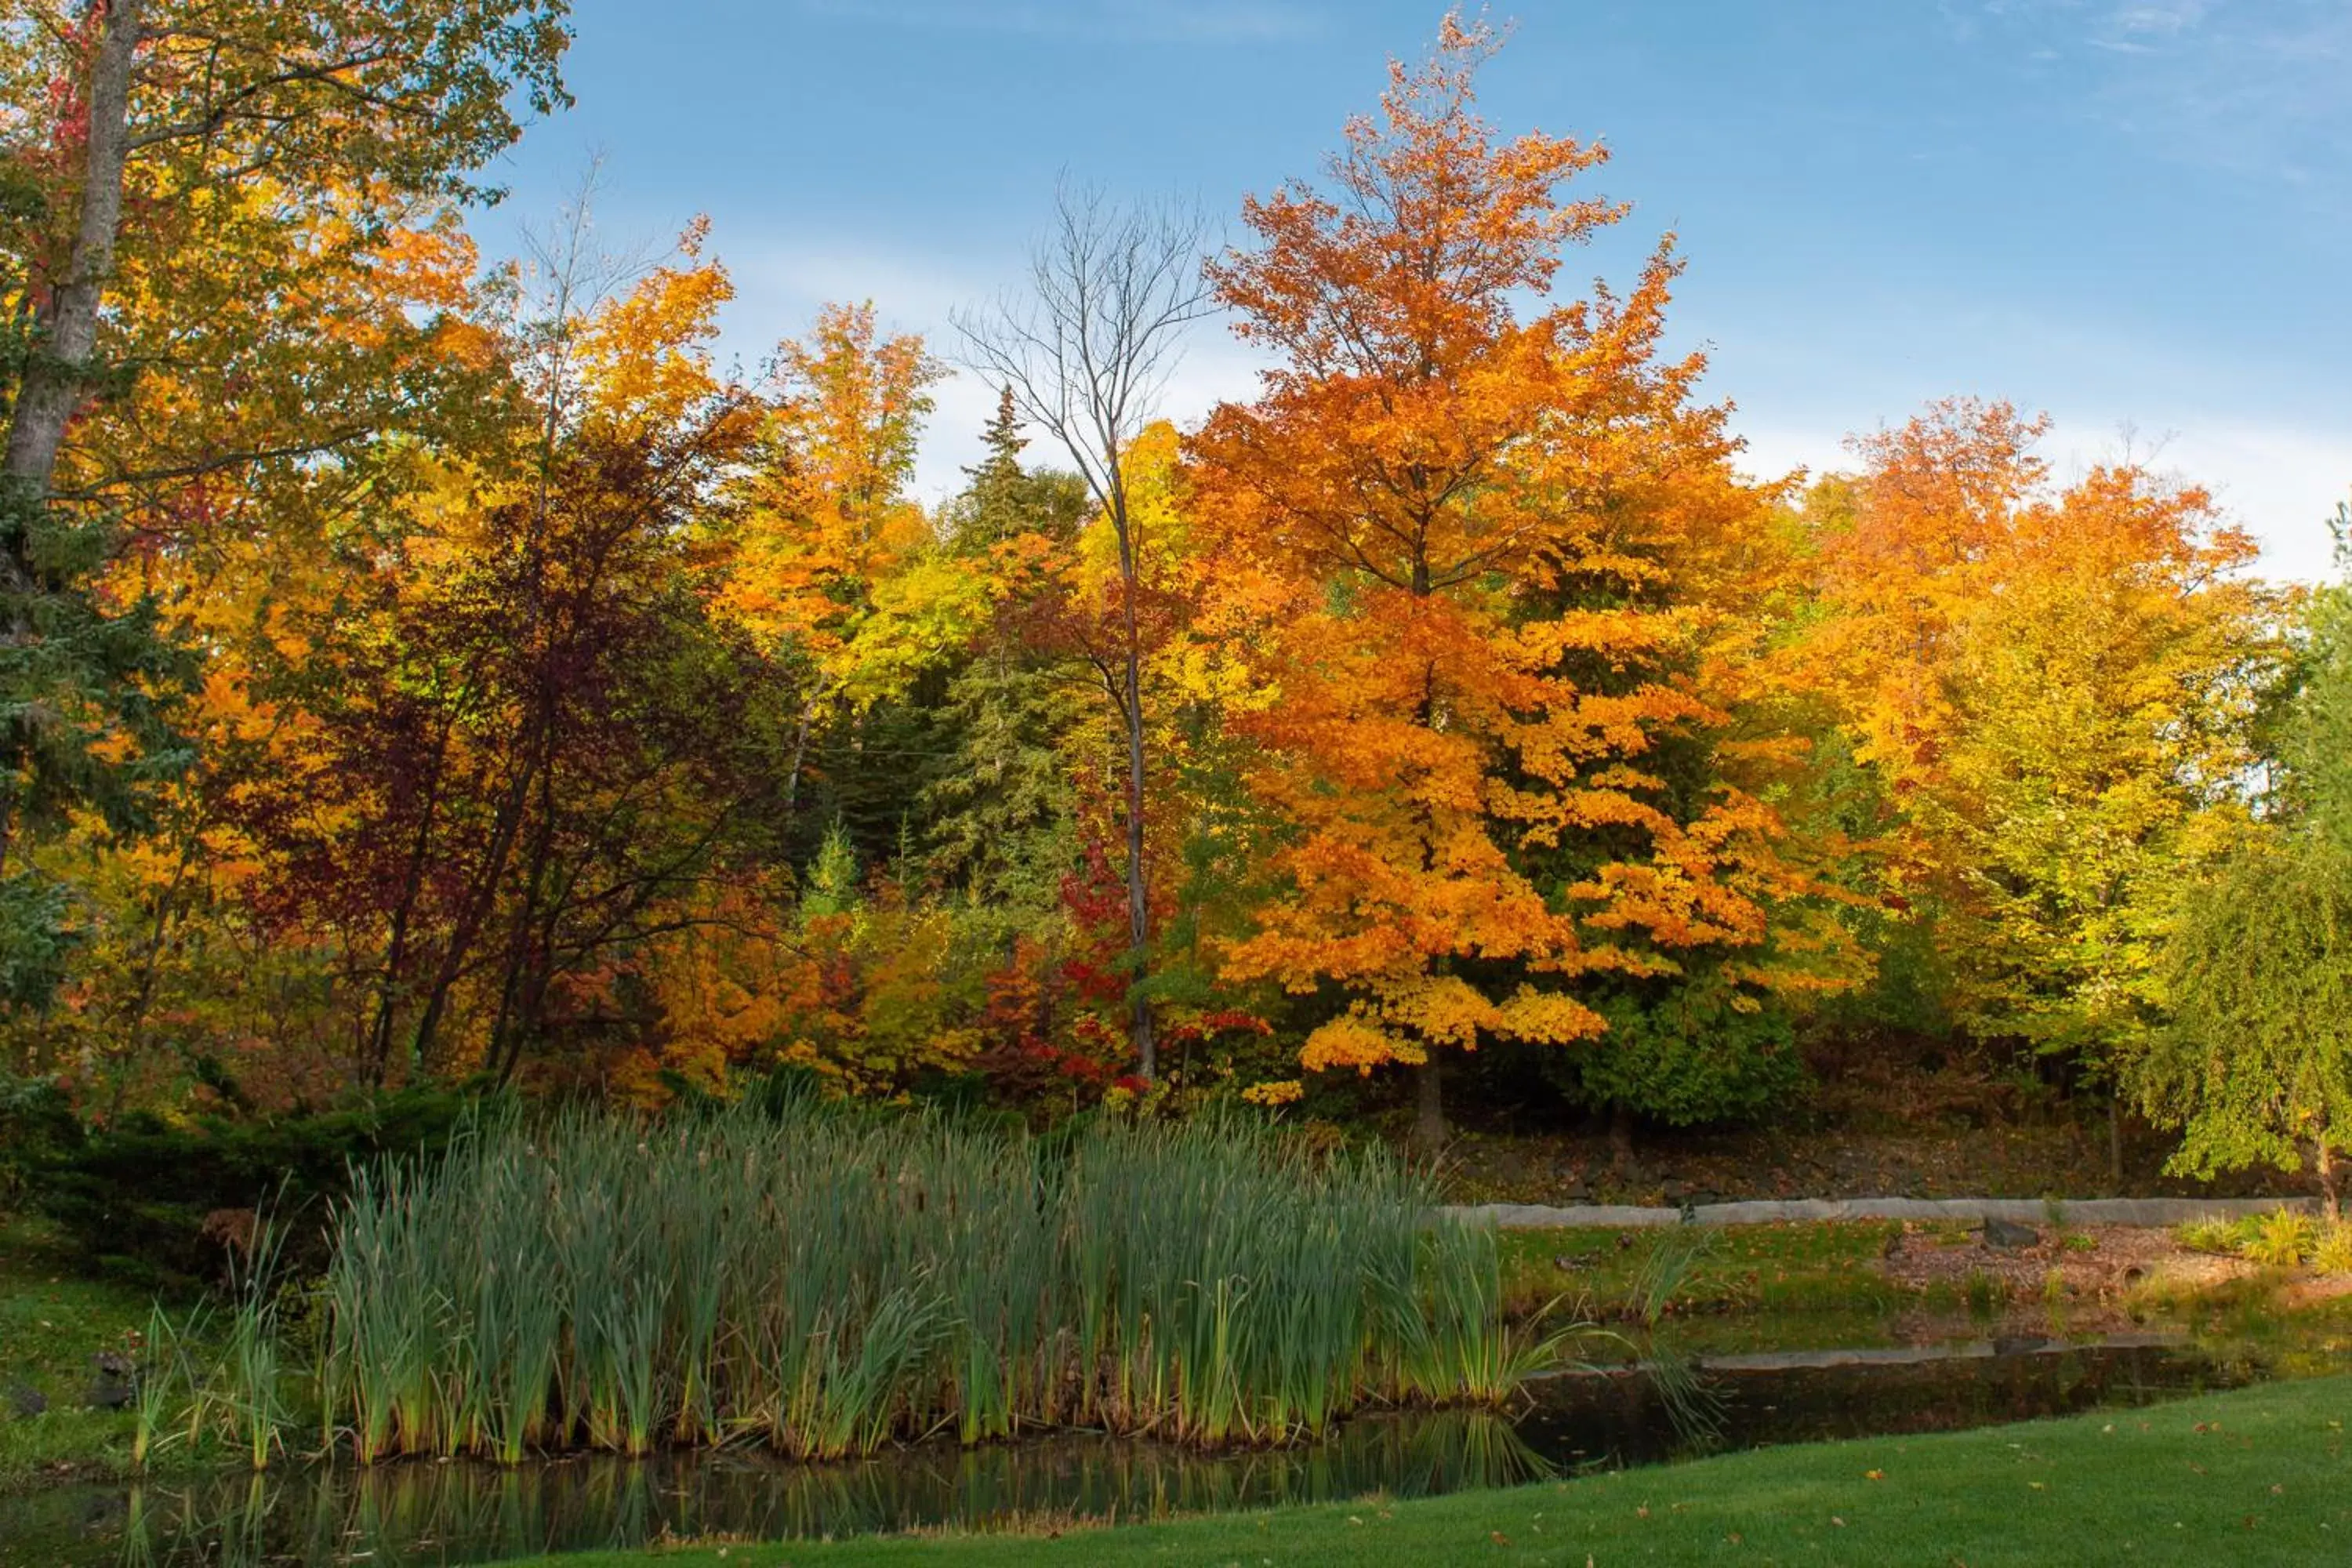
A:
x: 1087, y: 352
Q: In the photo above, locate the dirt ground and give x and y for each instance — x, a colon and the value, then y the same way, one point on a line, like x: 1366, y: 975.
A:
x: 2087, y: 1262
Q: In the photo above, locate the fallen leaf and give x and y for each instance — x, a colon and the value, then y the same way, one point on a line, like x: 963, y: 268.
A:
x: 1498, y: 1538
x: 1874, y: 1475
x: 1836, y: 1520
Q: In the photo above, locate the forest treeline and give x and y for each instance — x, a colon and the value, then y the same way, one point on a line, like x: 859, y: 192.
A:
x: 421, y: 670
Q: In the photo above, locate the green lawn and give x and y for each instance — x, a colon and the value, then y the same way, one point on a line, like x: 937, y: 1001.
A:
x: 2258, y: 1477
x: 51, y: 1325
x: 1800, y: 1267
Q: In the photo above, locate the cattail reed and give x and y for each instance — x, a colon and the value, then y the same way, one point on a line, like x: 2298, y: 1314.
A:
x: 826, y: 1281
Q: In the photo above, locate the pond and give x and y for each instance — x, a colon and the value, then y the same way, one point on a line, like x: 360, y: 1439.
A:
x: 399, y: 1515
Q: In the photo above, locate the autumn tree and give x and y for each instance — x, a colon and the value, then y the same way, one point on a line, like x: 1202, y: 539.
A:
x: 1087, y: 354
x: 201, y: 191
x: 529, y: 741
x: 833, y: 567
x: 2059, y: 685
x: 1452, y: 519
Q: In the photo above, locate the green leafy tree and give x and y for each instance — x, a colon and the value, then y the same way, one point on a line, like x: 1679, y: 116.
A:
x: 2255, y: 1066
x: 1001, y: 814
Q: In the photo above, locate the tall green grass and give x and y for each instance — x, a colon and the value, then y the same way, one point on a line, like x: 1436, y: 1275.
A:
x: 825, y: 1282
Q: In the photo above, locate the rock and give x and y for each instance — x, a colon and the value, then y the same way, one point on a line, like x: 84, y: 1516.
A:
x: 1894, y: 1248
x: 2007, y: 1236
x: 1675, y: 1192
x: 24, y: 1400
x: 115, y: 1384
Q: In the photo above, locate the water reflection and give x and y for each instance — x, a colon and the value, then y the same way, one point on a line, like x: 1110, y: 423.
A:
x: 456, y: 1513
x: 417, y: 1514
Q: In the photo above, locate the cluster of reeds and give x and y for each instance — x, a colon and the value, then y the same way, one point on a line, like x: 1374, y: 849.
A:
x: 217, y: 1372
x: 826, y: 1282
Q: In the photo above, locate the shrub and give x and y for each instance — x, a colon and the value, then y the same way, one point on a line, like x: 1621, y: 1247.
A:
x: 37, y: 1127
x: 2281, y: 1239
x: 136, y: 1197
x: 2332, y: 1254
x: 2208, y: 1235
x: 1699, y: 1051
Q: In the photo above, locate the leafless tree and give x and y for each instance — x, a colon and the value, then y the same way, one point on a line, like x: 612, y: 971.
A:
x: 1086, y: 349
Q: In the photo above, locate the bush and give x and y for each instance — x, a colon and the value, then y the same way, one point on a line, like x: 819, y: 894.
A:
x: 1703, y: 1052
x: 2333, y: 1255
x: 36, y: 1126
x: 135, y: 1198
x: 2280, y: 1239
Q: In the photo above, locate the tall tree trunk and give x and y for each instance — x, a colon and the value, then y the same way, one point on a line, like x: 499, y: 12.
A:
x: 58, y: 375
x: 525, y: 966
x: 396, y: 957
x: 475, y: 910
x: 58, y: 372
x: 1140, y: 1033
x: 1429, y: 1104
x: 1139, y: 891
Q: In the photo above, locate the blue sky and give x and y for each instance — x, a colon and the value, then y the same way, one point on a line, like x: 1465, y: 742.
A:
x: 2135, y: 215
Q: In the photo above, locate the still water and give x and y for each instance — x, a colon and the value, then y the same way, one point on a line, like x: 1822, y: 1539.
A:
x: 411, y: 1515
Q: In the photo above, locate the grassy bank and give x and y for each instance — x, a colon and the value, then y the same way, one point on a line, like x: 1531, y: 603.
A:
x: 53, y: 1325
x: 1800, y: 1268
x: 2258, y: 1477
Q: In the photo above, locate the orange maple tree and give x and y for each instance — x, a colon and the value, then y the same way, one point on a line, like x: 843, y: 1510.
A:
x: 2059, y: 686
x: 1493, y: 557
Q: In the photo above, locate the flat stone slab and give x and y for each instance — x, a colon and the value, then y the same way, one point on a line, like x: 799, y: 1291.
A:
x: 1967, y: 1211
x: 1883, y: 1355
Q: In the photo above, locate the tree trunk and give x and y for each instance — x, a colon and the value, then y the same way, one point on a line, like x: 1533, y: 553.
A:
x: 479, y: 901
x: 58, y: 370
x: 1139, y: 891
x: 1620, y: 1141
x: 1429, y: 1104
x: 2115, y: 1143
x: 58, y: 375
x: 2328, y: 1196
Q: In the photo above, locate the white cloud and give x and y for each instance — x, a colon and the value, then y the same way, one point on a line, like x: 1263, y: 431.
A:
x: 2279, y: 482
x: 2257, y: 87
x: 2281, y: 479
x: 779, y: 288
